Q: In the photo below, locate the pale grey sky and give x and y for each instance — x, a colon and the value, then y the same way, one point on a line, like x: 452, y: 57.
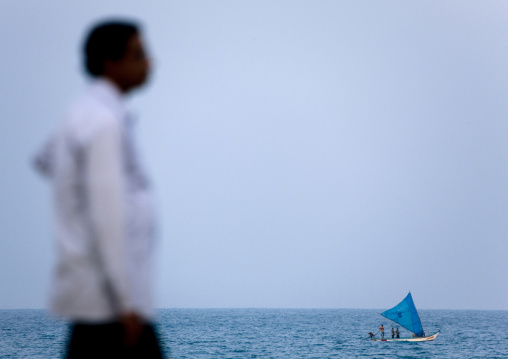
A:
x: 304, y: 153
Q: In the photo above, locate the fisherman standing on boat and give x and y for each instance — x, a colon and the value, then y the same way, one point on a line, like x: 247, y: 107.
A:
x: 393, y: 333
x: 382, y: 329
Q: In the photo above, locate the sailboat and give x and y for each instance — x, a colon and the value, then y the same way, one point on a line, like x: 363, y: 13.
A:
x: 406, y: 315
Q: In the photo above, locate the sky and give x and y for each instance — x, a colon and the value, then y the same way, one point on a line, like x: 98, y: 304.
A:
x: 304, y: 154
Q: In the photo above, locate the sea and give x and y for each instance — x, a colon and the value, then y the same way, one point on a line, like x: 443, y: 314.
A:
x: 278, y: 333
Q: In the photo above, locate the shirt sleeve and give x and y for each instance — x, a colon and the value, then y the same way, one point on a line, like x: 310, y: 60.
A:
x: 43, y: 160
x: 104, y: 184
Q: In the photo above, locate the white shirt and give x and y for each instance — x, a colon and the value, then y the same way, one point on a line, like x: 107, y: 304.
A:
x: 103, y: 211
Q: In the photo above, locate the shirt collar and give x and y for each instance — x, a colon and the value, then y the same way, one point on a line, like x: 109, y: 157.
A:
x: 109, y: 94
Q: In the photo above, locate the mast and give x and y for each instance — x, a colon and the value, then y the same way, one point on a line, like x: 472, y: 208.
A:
x: 418, y: 315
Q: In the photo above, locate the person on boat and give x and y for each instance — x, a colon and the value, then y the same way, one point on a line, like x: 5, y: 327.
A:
x: 393, y: 333
x: 382, y: 329
x: 397, y: 333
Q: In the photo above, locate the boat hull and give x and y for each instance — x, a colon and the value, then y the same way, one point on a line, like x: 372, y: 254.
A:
x: 420, y: 339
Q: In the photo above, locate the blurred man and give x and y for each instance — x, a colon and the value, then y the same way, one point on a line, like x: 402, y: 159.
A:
x: 103, y: 210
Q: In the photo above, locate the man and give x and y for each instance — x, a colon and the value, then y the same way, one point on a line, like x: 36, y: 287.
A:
x: 382, y: 329
x: 397, y: 332
x: 393, y: 333
x: 104, y: 219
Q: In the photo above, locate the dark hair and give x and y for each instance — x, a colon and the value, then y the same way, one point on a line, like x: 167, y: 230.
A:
x: 107, y: 41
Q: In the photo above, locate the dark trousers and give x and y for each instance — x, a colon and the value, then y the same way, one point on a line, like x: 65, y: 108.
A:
x: 107, y: 341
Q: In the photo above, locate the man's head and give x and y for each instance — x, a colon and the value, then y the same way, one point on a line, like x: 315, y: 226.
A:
x: 114, y: 50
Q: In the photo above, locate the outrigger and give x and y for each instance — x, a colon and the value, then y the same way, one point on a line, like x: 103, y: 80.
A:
x: 406, y: 315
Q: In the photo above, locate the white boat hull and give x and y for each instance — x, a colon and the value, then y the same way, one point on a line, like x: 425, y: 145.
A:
x: 419, y: 339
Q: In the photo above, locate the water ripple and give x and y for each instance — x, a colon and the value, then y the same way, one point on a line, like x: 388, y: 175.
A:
x: 277, y: 333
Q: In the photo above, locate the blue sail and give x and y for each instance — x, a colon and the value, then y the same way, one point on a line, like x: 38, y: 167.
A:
x: 406, y: 315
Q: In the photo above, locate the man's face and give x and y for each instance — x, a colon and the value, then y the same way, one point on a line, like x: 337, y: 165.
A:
x: 132, y: 69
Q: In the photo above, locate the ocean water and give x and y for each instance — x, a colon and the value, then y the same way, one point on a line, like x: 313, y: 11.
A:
x: 278, y: 333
